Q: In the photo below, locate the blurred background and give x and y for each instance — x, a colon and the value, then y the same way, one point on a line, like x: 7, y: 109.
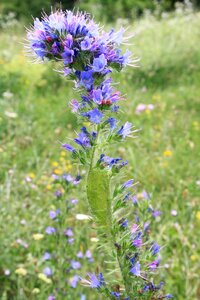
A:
x: 163, y: 100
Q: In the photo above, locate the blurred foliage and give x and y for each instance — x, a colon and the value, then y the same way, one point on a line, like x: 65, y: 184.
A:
x: 25, y: 9
x: 108, y: 10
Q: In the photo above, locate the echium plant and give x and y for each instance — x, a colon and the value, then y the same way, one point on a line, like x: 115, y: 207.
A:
x: 89, y: 56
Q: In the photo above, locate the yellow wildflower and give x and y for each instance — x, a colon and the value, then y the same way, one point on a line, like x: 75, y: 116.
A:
x: 38, y: 236
x: 54, y: 164
x: 167, y: 153
x: 21, y: 271
x: 193, y: 257
x: 198, y: 215
x: 35, y: 291
x: 148, y: 111
x: 94, y: 239
x: 44, y: 278
x: 57, y: 171
x: 31, y: 175
x: 63, y: 153
x: 49, y: 187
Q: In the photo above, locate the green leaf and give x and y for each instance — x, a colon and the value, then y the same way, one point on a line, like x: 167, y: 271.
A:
x: 98, y: 194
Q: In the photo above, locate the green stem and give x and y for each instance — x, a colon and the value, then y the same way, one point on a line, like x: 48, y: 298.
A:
x: 98, y: 192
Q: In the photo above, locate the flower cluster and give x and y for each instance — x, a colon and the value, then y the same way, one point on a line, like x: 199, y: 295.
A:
x: 89, y: 56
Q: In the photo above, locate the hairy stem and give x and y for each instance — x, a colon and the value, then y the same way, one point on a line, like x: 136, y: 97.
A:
x: 99, y: 198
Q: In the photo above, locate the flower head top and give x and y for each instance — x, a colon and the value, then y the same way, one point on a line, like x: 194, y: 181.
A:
x: 88, y: 55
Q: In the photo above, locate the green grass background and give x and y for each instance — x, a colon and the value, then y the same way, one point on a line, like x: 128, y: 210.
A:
x: 168, y: 77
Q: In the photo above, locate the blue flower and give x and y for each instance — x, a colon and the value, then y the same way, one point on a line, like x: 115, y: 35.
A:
x: 124, y: 223
x: 68, y: 232
x: 125, y: 130
x: 79, y: 254
x: 50, y: 230
x: 112, y: 122
x: 94, y: 115
x: 75, y: 265
x: 74, y: 280
x: 86, y: 79
x: 137, y: 243
x: 46, y: 256
x: 155, y: 249
x: 154, y: 264
x: 67, y: 56
x: 128, y: 184
x: 83, y: 138
x: 97, y: 96
x: 134, y: 199
x: 168, y: 296
x: 68, y: 147
x: 86, y: 44
x: 99, y: 63
x: 96, y: 281
x: 51, y: 297
x: 53, y: 214
x: 136, y: 269
x: 48, y: 271
x: 116, y: 294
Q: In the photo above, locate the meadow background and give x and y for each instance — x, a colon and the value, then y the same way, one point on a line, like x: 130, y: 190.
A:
x: 164, y: 158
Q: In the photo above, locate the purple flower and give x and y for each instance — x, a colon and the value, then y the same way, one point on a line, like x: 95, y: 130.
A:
x: 66, y: 72
x: 70, y: 241
x: 53, y: 214
x: 74, y: 201
x: 57, y: 194
x: 46, y: 256
x: 50, y: 230
x: 79, y: 254
x: 136, y: 269
x: 156, y: 213
x: 86, y: 79
x: 124, y: 223
x: 48, y: 271
x: 99, y: 63
x: 75, y: 264
x: 116, y: 294
x: 106, y: 161
x: 168, y: 296
x: 128, y: 184
x: 67, y: 56
x: 51, y: 297
x: 74, y: 280
x: 86, y: 44
x: 155, y: 249
x: 68, y: 232
x: 94, y: 116
x: 97, y: 96
x: 145, y: 195
x: 134, y: 199
x: 146, y: 226
x: 88, y: 254
x: 68, y: 148
x: 154, y: 264
x: 83, y: 138
x: 74, y: 105
x: 112, y: 122
x: 137, y: 243
x: 125, y: 130
x: 96, y: 281
x: 126, y: 58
